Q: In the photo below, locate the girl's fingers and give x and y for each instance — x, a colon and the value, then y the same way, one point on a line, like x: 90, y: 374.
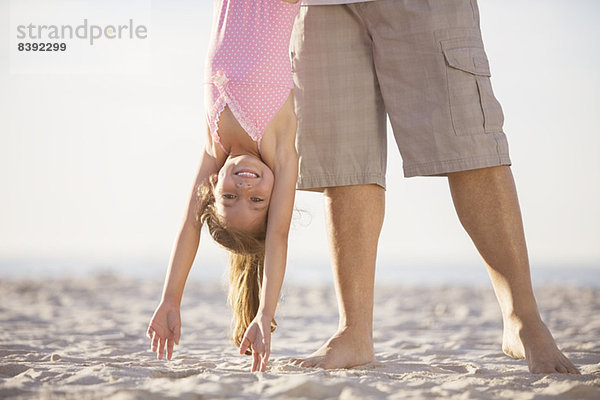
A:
x: 177, y: 334
x: 244, y: 345
x: 169, y: 348
x: 170, y: 344
x: 149, y: 332
x: 263, y: 364
x: 161, y: 348
x: 256, y: 361
x: 267, y: 347
x: 266, y: 354
x: 155, y: 342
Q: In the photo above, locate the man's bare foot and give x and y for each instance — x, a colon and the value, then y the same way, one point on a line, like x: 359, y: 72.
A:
x: 343, y: 350
x: 533, y: 342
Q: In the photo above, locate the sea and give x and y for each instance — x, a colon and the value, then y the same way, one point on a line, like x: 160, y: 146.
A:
x: 422, y: 273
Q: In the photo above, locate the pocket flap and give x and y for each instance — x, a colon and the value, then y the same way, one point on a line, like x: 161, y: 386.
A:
x: 466, y: 55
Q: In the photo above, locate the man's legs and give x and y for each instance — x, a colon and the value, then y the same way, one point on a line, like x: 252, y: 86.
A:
x: 487, y: 205
x: 354, y: 219
x: 342, y: 145
x: 446, y: 118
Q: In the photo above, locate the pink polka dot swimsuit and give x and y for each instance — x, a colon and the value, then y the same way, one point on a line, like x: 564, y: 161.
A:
x: 248, y: 65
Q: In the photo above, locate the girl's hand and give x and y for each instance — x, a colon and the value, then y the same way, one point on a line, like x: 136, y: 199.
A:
x: 165, y: 329
x: 258, y: 339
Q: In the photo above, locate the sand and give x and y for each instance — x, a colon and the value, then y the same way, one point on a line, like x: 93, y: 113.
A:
x: 84, y: 339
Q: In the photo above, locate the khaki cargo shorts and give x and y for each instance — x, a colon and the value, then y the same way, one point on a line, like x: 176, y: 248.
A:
x: 420, y: 61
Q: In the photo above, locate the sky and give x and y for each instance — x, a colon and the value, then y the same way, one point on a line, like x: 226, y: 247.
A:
x: 99, y: 145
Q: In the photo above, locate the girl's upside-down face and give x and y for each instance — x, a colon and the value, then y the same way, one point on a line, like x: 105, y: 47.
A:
x: 243, y: 192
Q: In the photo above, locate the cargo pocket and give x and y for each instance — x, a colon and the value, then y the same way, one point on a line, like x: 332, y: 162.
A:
x: 473, y: 106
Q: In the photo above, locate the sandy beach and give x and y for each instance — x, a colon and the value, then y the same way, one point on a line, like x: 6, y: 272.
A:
x: 84, y: 339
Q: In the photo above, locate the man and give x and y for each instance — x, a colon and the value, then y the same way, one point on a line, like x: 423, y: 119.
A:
x: 422, y: 62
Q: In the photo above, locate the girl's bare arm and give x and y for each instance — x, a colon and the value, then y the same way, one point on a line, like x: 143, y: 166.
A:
x: 165, y: 326
x: 258, y: 334
x: 278, y: 226
x: 188, y: 238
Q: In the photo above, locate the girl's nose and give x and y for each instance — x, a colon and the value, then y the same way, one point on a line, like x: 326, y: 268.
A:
x: 243, y: 184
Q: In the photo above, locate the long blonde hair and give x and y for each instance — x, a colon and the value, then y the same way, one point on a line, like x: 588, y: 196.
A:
x: 246, y: 261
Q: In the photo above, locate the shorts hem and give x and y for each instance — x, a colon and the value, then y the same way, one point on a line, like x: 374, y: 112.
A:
x: 443, y: 168
x: 320, y: 182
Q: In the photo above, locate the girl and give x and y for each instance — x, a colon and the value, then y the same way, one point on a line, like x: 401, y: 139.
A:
x: 245, y: 183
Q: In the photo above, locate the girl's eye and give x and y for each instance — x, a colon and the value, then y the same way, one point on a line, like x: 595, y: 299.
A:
x: 256, y: 199
x: 229, y: 196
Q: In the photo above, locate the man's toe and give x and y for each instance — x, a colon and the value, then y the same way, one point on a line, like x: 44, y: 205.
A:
x: 310, y: 362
